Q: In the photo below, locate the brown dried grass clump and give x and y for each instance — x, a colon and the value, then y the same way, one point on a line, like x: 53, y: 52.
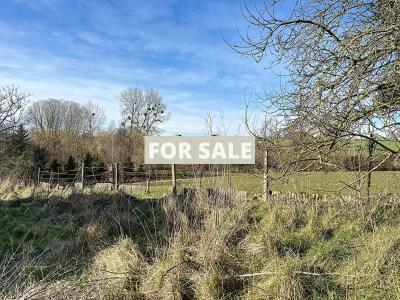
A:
x: 91, y: 237
x: 114, y: 273
x: 200, y: 261
x: 118, y: 269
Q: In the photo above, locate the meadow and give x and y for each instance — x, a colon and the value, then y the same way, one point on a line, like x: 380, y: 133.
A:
x: 321, y: 183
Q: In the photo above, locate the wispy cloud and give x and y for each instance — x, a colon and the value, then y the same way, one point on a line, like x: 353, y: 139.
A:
x: 84, y: 50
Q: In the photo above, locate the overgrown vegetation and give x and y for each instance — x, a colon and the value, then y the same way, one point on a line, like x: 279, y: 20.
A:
x: 204, y: 246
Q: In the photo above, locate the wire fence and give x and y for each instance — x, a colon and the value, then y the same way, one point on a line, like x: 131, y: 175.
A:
x: 114, y: 176
x: 108, y: 173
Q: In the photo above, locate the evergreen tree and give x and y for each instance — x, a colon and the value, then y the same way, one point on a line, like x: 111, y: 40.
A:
x: 71, y: 164
x: 54, y: 165
x: 20, y: 140
x: 40, y: 157
x: 88, y: 160
x: 128, y: 164
x: 95, y: 163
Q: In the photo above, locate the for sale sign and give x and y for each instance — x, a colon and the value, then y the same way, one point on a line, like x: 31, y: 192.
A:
x: 199, y: 150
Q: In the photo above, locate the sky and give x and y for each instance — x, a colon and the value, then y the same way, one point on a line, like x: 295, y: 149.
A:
x: 85, y: 50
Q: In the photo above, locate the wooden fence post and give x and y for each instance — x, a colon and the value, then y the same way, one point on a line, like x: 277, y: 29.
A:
x: 266, y: 176
x: 116, y: 179
x: 38, y: 177
x: 36, y: 184
x: 58, y: 177
x: 173, y: 179
x: 148, y: 184
x: 111, y: 177
x: 371, y: 146
x: 82, y: 175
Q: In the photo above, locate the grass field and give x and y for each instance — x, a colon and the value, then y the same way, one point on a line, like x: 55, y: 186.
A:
x: 323, y: 183
x: 330, y: 183
x: 383, y: 182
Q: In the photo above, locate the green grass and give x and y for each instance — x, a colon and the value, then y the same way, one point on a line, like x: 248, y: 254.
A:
x: 359, y: 260
x: 362, y: 144
x: 28, y: 223
x: 383, y: 182
x: 322, y: 183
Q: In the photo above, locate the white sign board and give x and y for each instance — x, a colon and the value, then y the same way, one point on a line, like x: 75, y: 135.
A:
x: 199, y: 150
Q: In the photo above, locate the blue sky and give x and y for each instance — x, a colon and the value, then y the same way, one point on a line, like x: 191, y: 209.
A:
x: 91, y: 50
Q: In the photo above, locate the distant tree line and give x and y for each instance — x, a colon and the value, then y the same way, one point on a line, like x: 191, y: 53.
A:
x: 59, y: 135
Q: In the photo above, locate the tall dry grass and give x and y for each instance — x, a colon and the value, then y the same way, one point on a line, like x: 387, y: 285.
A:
x: 214, y: 245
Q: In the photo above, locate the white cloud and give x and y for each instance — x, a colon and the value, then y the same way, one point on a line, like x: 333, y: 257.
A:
x: 135, y: 44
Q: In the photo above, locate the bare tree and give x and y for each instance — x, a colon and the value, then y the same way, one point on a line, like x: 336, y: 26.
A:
x: 93, y: 117
x: 64, y: 127
x: 12, y: 104
x: 342, y: 63
x: 74, y: 116
x: 51, y: 115
x: 54, y: 115
x: 143, y: 110
x: 208, y: 122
